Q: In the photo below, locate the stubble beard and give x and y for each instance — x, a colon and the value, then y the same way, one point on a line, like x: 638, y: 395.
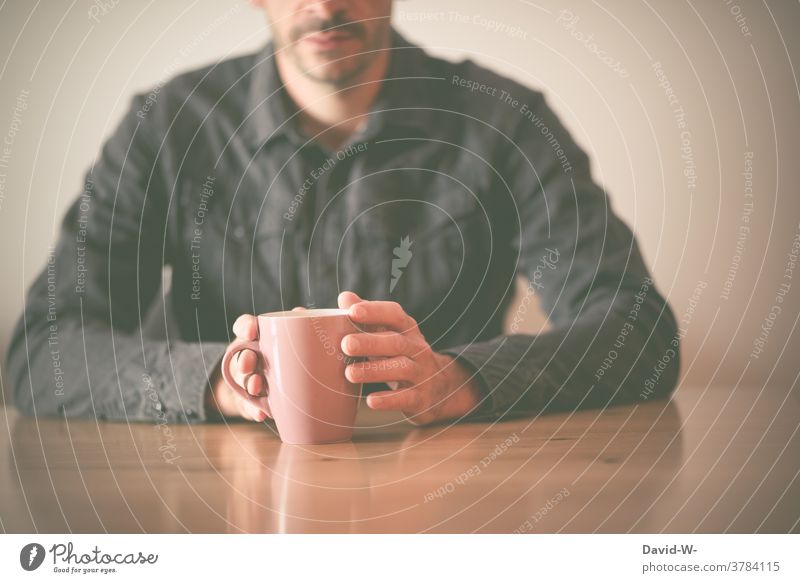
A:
x: 344, y: 70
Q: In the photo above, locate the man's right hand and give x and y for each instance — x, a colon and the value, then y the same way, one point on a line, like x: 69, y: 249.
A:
x: 248, y: 371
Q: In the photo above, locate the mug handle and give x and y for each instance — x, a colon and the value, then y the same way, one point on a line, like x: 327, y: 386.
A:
x: 233, y: 349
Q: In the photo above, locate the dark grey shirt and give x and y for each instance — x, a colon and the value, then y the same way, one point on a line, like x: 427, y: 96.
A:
x: 460, y: 181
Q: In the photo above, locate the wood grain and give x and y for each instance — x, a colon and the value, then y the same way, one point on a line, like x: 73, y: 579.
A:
x: 711, y: 460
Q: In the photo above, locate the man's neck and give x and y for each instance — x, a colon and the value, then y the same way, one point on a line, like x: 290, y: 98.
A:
x: 329, y: 114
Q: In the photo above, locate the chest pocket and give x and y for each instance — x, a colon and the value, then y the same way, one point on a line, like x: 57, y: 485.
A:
x: 236, y: 240
x: 424, y: 244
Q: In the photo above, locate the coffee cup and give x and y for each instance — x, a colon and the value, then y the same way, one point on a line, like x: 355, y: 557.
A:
x: 309, y: 397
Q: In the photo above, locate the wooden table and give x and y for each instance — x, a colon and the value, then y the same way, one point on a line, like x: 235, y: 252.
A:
x: 711, y: 460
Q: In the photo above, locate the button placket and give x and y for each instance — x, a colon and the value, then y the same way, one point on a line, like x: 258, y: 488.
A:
x: 324, y: 249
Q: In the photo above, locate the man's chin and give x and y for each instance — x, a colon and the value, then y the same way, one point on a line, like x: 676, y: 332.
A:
x: 334, y: 72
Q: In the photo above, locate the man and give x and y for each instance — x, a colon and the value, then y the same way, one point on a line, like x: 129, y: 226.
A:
x: 342, y: 165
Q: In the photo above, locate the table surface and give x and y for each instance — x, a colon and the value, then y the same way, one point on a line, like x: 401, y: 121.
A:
x: 710, y: 460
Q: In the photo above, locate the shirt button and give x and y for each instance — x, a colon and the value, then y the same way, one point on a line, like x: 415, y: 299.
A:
x: 158, y: 405
x: 238, y: 232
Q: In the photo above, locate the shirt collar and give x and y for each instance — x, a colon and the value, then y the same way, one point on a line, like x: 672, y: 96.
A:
x: 404, y: 105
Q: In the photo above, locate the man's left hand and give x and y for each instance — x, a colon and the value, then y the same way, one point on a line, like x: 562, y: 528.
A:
x: 425, y: 385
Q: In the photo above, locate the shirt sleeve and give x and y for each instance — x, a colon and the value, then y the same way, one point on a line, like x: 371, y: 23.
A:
x: 613, y: 338
x: 78, y: 349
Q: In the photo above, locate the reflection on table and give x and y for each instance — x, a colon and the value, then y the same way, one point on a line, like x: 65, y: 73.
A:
x: 710, y: 460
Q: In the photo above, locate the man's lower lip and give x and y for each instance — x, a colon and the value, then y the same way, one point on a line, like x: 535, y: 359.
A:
x: 327, y: 39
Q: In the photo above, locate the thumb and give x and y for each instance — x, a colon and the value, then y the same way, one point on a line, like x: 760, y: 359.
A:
x: 347, y: 299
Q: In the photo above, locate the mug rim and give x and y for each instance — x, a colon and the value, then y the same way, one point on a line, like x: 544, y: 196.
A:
x: 311, y: 313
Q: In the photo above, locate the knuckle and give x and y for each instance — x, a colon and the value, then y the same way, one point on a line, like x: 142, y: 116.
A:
x: 410, y: 369
x: 423, y: 350
x: 400, y: 343
x: 411, y: 323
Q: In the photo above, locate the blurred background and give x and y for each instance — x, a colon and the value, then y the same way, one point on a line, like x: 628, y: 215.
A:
x: 689, y: 111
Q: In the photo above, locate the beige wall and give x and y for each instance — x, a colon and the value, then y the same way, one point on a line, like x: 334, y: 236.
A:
x: 79, y: 65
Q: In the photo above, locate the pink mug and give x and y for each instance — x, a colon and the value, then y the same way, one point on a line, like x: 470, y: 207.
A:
x: 308, y: 394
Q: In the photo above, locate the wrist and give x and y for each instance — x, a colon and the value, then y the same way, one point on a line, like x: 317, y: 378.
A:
x: 465, y: 386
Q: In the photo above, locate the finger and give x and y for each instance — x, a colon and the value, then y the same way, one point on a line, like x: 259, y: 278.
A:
x: 246, y: 366
x: 387, y: 344
x: 251, y: 412
x: 255, y: 385
x: 255, y: 408
x: 246, y: 362
x: 347, y: 299
x: 401, y: 400
x: 246, y: 327
x: 387, y: 370
x: 298, y: 308
x: 379, y: 313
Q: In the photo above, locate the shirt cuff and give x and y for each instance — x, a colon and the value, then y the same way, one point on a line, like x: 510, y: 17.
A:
x: 182, y: 394
x: 505, y: 381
